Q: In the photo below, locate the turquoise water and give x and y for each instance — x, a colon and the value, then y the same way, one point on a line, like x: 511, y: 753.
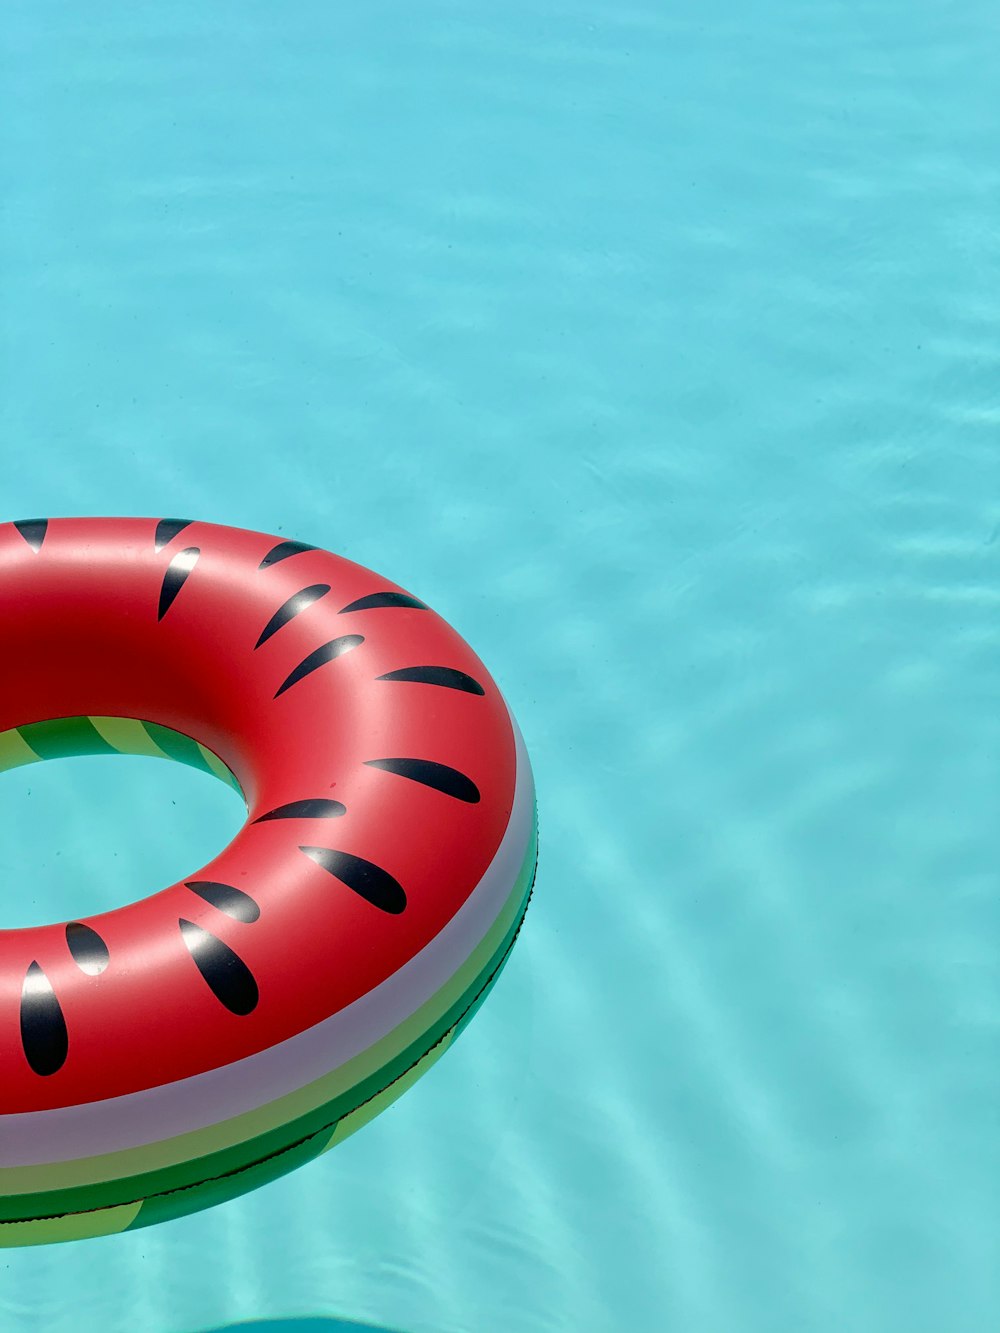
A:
x: 658, y: 347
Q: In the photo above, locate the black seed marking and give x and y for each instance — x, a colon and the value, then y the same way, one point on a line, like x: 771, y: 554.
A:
x: 375, y: 600
x: 234, y: 902
x: 282, y: 551
x: 436, y: 675
x: 173, y: 580
x: 227, y: 976
x: 293, y: 607
x: 167, y: 529
x: 320, y: 656
x: 33, y: 531
x: 439, y: 776
x: 317, y: 807
x: 89, y: 951
x: 369, y: 881
x: 43, y: 1028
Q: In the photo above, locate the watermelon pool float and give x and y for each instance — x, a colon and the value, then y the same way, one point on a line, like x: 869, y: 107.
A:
x: 184, y: 1049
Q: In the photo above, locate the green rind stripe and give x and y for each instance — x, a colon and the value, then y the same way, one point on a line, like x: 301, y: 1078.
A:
x: 63, y: 736
x: 177, y: 746
x: 128, y: 736
x: 221, y: 770
x: 208, y: 1193
x: 15, y: 751
x: 319, y: 1120
x: 367, y: 1111
x: 74, y: 1226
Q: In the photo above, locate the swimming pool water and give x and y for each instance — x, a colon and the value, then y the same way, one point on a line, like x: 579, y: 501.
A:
x: 657, y: 347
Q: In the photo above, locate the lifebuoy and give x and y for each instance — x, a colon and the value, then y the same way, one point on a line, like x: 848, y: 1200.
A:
x: 183, y: 1049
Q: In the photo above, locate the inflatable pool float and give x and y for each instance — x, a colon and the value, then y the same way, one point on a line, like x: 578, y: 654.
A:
x: 181, y: 1050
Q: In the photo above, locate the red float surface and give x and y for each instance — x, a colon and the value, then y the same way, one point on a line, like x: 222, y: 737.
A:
x: 82, y: 636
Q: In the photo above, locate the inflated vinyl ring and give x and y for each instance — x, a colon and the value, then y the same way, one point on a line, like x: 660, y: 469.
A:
x: 179, y: 1051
